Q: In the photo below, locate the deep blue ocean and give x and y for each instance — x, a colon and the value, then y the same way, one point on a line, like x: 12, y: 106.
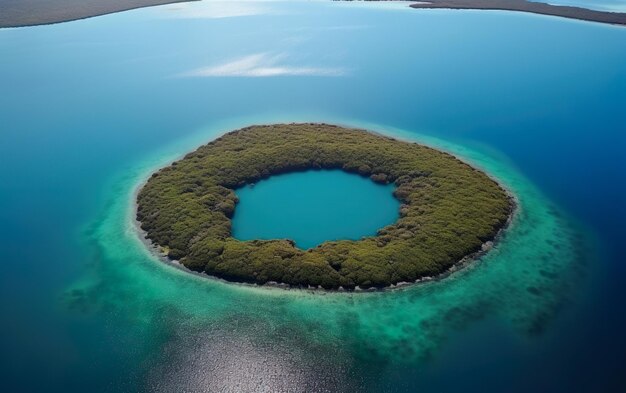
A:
x: 90, y: 108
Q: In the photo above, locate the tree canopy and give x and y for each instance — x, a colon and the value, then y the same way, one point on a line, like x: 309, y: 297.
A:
x: 448, y: 208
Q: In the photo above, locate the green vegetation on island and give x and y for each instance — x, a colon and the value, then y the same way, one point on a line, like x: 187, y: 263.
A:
x: 449, y: 209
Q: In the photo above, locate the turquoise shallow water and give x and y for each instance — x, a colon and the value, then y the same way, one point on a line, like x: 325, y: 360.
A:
x: 313, y: 207
x: 232, y: 329
x: 91, y: 108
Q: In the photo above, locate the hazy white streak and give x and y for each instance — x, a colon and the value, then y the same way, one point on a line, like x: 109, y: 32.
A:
x: 261, y: 65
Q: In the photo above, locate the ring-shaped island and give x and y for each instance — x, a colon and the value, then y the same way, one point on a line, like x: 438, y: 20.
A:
x: 449, y: 210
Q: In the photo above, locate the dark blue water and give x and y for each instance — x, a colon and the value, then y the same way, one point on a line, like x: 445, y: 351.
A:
x: 85, y: 104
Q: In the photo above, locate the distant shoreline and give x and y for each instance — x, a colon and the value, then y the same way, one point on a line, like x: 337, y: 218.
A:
x: 584, y: 14
x: 23, y: 13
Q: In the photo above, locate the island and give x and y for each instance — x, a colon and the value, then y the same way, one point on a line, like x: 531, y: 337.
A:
x: 449, y: 210
x: 19, y: 13
x: 616, y: 18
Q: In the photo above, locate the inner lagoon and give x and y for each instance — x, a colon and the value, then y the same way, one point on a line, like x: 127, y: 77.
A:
x: 538, y: 106
x: 313, y: 207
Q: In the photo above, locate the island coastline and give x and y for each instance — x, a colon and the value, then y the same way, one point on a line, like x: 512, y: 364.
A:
x: 24, y: 13
x: 160, y: 253
x: 464, y: 263
x: 563, y: 11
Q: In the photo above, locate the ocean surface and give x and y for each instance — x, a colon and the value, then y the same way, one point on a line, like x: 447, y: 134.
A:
x: 89, y: 109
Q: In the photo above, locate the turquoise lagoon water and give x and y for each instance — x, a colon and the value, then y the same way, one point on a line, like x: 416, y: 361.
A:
x: 313, y: 207
x: 90, y: 108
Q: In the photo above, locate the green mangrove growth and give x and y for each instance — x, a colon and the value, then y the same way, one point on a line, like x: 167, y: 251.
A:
x: 449, y: 209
